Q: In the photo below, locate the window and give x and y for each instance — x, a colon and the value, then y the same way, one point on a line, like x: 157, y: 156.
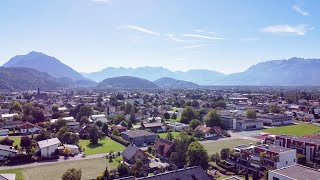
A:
x: 275, y: 178
x: 286, y: 162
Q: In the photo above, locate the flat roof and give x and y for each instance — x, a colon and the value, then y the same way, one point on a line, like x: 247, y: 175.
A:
x: 273, y: 148
x: 298, y: 172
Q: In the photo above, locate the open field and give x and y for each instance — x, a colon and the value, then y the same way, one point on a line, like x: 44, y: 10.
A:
x: 164, y: 135
x: 104, y: 146
x: 216, y: 147
x: 90, y: 169
x: 295, y: 130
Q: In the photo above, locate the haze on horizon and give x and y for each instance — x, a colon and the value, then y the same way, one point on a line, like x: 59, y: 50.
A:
x: 227, y: 36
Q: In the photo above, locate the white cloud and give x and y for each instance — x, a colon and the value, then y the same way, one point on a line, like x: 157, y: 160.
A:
x: 201, y: 36
x: 300, y: 11
x: 101, y: 1
x: 140, y: 29
x: 287, y: 29
x: 203, y: 31
x: 174, y: 37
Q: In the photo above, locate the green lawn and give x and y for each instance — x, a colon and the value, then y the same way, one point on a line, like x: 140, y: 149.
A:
x: 104, y: 146
x: 16, y: 139
x: 18, y: 173
x: 295, y: 130
x: 90, y: 169
x: 164, y: 135
x: 174, y: 120
x: 216, y: 147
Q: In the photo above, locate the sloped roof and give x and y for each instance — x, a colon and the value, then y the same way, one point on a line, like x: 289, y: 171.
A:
x: 130, y: 151
x: 48, y: 142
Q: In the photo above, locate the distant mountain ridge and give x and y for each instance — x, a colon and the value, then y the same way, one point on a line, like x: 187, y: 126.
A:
x: 291, y: 72
x: 126, y: 82
x: 44, y: 63
x: 198, y: 76
x: 167, y: 82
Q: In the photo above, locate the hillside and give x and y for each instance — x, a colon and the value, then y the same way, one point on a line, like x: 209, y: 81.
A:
x: 291, y: 72
x: 127, y: 82
x: 44, y: 63
x: 167, y: 82
x: 199, y: 76
x: 12, y: 79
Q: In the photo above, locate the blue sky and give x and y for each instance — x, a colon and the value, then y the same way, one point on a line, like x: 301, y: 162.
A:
x: 224, y: 35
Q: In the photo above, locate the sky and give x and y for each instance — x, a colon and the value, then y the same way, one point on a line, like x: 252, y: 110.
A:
x: 224, y: 35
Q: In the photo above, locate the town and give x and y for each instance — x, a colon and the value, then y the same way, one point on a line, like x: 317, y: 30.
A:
x: 207, y: 133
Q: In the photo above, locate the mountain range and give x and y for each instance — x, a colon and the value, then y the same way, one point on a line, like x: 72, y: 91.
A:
x: 126, y: 82
x: 291, y: 72
x: 199, y: 76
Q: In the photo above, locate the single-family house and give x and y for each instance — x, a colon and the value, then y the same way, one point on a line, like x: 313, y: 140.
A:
x: 209, y: 132
x: 133, y: 153
x: 176, y: 126
x: 27, y: 128
x: 140, y: 137
x: 163, y: 148
x: 7, y: 151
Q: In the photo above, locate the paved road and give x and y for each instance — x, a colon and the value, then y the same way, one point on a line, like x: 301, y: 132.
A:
x: 233, y: 135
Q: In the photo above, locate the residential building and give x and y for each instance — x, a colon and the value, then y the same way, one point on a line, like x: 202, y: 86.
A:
x: 176, y: 126
x: 140, y: 137
x: 154, y: 127
x: 304, y: 145
x: 28, y: 128
x: 163, y: 148
x: 209, y: 132
x: 4, y: 132
x: 133, y: 153
x: 7, y: 151
x: 48, y: 147
x: 294, y: 172
x: 264, y: 156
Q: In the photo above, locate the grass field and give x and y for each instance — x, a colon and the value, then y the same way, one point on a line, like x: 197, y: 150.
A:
x: 104, y: 146
x: 216, y: 147
x: 295, y: 130
x: 164, y: 135
x: 16, y: 139
x: 90, y: 169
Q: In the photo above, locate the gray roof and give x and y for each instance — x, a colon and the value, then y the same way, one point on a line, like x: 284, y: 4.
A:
x: 130, y: 151
x: 138, y: 133
x: 7, y: 148
x: 298, y: 172
x: 48, y: 142
x: 190, y: 173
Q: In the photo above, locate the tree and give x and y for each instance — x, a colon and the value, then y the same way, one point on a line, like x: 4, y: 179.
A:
x: 181, y: 142
x: 66, y: 151
x: 251, y: 114
x: 25, y: 142
x: 72, y: 174
x: 106, y: 173
x: 84, y: 110
x: 166, y: 115
x: 301, y: 159
x: 123, y: 170
x: 213, y: 119
x: 95, y: 134
x: 194, y: 123
x: 169, y: 136
x: 84, y: 120
x: 224, y: 153
x: 6, y: 141
x: 219, y: 104
x: 59, y: 124
x: 55, y: 108
x: 16, y: 106
x: 105, y: 128
x: 174, y: 116
x: 38, y: 114
x: 188, y: 114
x: 27, y: 109
x: 274, y: 109
x: 99, y: 124
x: 115, y: 132
x: 197, y: 155
x: 43, y: 135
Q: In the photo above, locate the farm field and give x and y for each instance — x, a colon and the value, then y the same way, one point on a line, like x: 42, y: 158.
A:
x: 90, y: 169
x: 216, y: 147
x: 294, y: 130
x: 106, y: 145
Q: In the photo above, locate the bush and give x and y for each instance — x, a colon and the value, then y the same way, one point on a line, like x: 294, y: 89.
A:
x: 119, y: 140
